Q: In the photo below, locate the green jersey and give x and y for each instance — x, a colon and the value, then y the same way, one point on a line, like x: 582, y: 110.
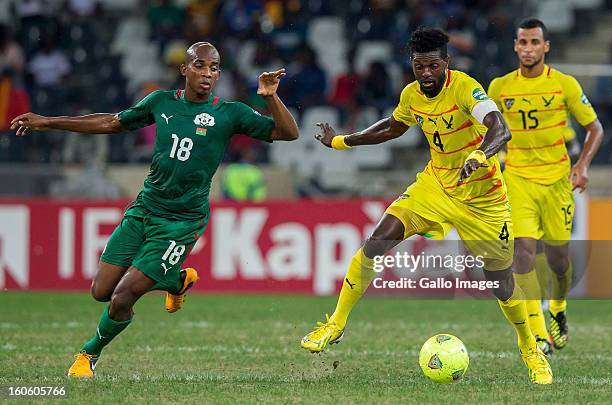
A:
x: 190, y: 142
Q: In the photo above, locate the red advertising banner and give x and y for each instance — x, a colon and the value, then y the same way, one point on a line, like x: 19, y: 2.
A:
x: 289, y: 247
x: 283, y: 247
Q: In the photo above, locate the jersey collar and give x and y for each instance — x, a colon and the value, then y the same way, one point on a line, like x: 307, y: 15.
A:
x: 180, y: 95
x: 545, y: 73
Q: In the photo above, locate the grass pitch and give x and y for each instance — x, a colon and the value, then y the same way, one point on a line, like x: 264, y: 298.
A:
x: 236, y: 349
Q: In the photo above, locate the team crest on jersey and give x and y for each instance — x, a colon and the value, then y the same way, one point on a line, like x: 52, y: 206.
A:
x: 418, y: 119
x: 584, y: 99
x: 204, y: 119
x: 508, y: 102
x: 479, y: 94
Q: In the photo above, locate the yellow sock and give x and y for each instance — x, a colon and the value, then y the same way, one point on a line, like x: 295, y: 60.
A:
x: 516, y: 312
x: 560, y: 289
x: 358, y: 277
x: 529, y: 284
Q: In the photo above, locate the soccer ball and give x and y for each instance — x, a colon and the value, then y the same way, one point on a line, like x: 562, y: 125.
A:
x: 444, y: 358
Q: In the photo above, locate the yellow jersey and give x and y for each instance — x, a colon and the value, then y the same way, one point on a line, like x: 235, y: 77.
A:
x: 537, y: 112
x: 453, y: 133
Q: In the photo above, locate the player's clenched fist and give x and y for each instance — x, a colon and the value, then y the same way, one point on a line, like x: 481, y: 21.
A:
x: 468, y: 168
x: 25, y: 123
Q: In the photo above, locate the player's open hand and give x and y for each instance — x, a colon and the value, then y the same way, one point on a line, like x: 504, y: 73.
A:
x: 26, y: 123
x: 268, y: 82
x: 326, y: 135
x: 468, y: 168
x: 579, y: 177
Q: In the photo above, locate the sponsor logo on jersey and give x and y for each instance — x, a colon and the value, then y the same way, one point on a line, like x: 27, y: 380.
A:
x: 166, y: 117
x: 479, y: 94
x: 418, y: 119
x: 449, y: 123
x: 204, y: 119
x: 508, y: 102
x: 584, y: 99
x: 547, y: 102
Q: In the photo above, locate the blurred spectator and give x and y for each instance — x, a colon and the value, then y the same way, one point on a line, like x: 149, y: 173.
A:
x: 201, y: 15
x: 240, y: 16
x: 49, y: 66
x: 375, y: 89
x: 307, y: 81
x: 11, y: 54
x: 345, y: 87
x: 462, y: 41
x: 244, y: 181
x: 255, y: 57
x: 166, y: 20
x: 13, y: 99
x: 290, y: 35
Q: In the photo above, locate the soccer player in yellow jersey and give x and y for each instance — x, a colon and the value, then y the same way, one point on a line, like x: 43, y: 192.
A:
x: 461, y: 186
x: 536, y: 101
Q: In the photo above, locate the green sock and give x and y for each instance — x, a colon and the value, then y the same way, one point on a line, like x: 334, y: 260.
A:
x: 106, y: 331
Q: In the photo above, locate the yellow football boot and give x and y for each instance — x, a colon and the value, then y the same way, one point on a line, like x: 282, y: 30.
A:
x: 558, y: 329
x: 545, y: 345
x: 324, y: 334
x: 174, y: 302
x: 539, y: 369
x: 83, y: 366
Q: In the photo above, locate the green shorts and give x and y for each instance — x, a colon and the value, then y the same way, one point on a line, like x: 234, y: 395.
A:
x: 155, y: 245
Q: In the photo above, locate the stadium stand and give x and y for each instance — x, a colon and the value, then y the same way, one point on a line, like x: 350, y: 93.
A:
x: 106, y: 54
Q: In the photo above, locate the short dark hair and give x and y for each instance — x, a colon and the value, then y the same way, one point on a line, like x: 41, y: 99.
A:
x: 530, y: 23
x: 428, y: 40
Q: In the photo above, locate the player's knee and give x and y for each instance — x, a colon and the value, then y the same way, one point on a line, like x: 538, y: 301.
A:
x: 524, y: 259
x: 121, y: 301
x: 375, y: 245
x: 559, y: 264
x: 504, y: 283
x: 99, y: 294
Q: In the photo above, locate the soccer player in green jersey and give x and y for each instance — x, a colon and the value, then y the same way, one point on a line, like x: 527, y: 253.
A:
x: 194, y: 127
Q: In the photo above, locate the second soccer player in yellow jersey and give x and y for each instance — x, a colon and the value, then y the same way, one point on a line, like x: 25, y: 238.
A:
x: 461, y: 186
x: 536, y: 101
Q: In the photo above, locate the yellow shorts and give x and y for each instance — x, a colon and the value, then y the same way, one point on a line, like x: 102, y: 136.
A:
x: 540, y: 211
x: 486, y: 229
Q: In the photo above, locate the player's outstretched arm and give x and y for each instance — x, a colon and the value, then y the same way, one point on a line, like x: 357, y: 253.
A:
x: 382, y: 131
x: 579, y: 174
x: 497, y: 135
x: 101, y: 123
x: 285, y: 126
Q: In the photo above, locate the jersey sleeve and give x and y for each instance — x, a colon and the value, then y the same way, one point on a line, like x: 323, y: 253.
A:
x: 473, y: 100
x: 139, y: 115
x: 577, y: 101
x: 251, y: 123
x: 402, y: 110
